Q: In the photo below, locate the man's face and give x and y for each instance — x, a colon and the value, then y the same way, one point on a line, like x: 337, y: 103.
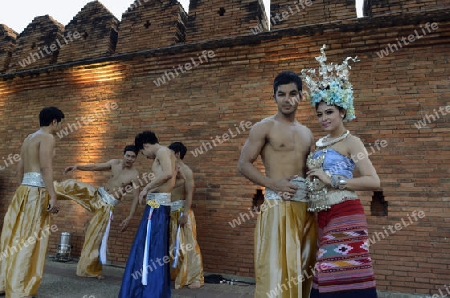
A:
x: 129, y: 158
x: 147, y: 151
x: 56, y: 126
x: 287, y: 98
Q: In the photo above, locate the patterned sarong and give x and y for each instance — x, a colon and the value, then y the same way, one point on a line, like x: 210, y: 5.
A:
x: 344, y: 267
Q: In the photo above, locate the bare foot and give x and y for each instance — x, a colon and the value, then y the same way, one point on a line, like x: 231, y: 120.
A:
x: 195, y: 285
x: 100, y: 277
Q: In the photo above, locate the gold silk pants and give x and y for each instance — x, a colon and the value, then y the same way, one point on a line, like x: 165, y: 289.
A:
x: 285, y: 242
x: 24, y: 241
x: 190, y: 265
x: 88, y: 196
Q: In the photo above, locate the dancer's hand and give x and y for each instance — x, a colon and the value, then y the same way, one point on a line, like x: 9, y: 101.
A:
x: 319, y: 173
x: 183, y: 219
x: 142, y: 196
x: 124, y: 224
x: 70, y: 169
x: 53, y: 206
x: 286, y: 189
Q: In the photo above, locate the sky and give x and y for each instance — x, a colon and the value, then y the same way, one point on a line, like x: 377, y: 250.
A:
x: 19, y: 14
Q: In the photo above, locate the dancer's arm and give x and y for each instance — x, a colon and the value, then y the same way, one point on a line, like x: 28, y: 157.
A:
x: 369, y: 179
x: 134, y: 204
x: 189, y: 186
x: 46, y: 151
x: 91, y: 167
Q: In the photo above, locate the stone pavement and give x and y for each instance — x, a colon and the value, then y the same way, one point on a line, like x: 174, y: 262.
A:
x: 60, y: 281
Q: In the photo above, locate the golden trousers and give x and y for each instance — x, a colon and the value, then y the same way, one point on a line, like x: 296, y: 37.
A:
x: 24, y: 242
x: 285, y: 247
x: 87, y: 196
x: 190, y: 265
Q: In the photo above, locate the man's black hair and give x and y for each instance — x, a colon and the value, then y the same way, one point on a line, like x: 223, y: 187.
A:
x: 48, y: 114
x: 131, y: 148
x: 146, y: 137
x: 178, y: 147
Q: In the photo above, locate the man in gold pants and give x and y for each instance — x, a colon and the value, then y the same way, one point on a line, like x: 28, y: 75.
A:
x: 23, y: 241
x: 285, y: 233
x: 187, y: 264
x: 101, y: 201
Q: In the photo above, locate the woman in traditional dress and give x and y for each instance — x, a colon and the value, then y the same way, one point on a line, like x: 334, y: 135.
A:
x: 344, y: 267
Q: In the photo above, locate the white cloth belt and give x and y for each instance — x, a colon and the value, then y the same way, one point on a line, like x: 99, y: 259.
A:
x: 107, y: 198
x: 162, y: 198
x: 177, y: 205
x: 33, y: 179
x: 300, y: 195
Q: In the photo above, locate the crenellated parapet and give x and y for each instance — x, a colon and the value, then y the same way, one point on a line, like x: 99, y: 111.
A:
x: 7, y: 43
x: 96, y: 29
x: 151, y: 24
x: 38, y: 45
x: 381, y: 7
x: 212, y: 19
x: 289, y: 13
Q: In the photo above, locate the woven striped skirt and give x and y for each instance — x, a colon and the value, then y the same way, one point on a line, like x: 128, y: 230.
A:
x: 344, y: 267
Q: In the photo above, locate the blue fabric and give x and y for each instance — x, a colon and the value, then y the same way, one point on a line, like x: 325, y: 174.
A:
x: 366, y: 293
x: 336, y: 163
x: 158, y: 281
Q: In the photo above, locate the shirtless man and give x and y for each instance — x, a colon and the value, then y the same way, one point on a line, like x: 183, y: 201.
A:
x: 101, y: 201
x: 149, y: 256
x: 285, y: 233
x: 28, y: 214
x: 188, y: 264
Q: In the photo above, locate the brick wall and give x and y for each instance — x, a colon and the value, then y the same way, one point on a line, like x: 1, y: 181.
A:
x: 151, y: 24
x: 7, y: 44
x: 33, y: 45
x: 217, y: 19
x: 399, y: 6
x: 92, y: 33
x: 288, y: 13
x: 392, y: 93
